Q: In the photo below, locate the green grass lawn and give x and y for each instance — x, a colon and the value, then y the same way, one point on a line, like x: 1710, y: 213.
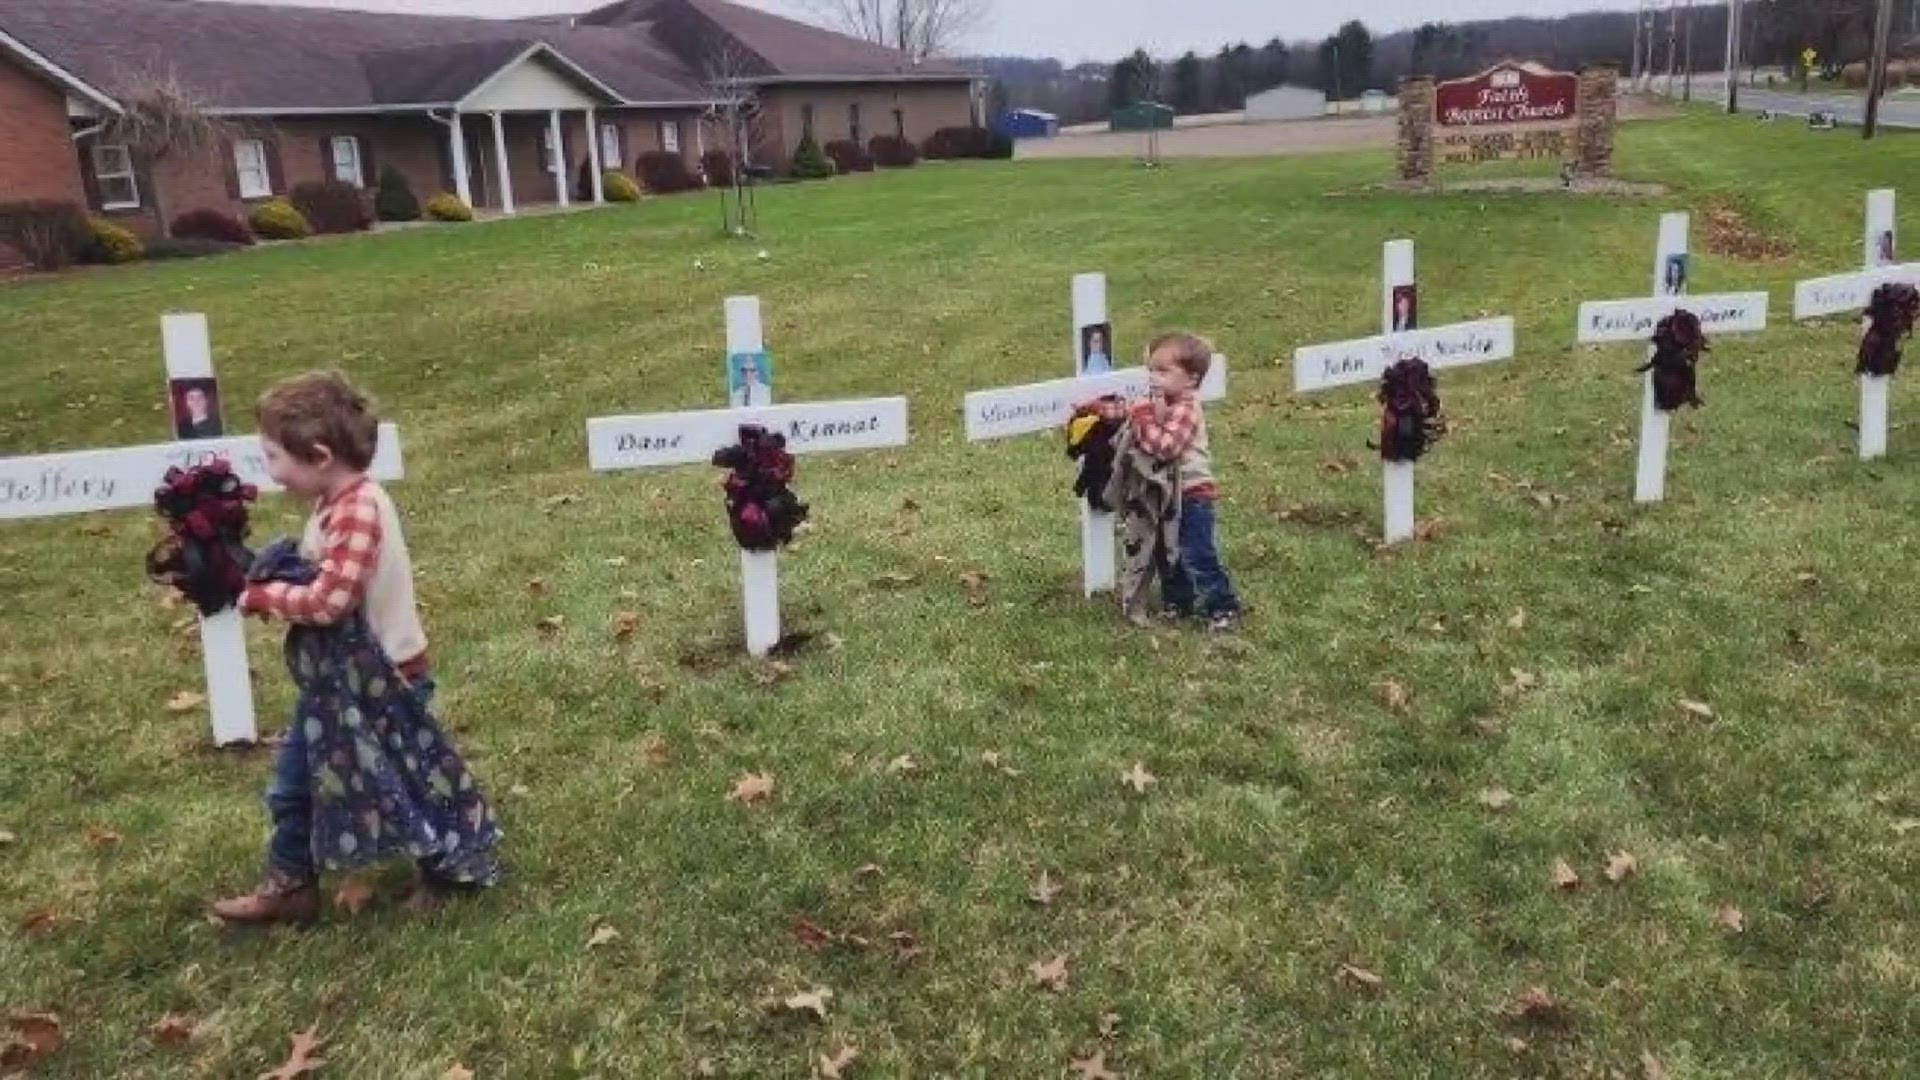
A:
x: 1546, y: 639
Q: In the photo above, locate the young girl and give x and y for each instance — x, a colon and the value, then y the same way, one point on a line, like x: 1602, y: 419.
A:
x: 365, y: 772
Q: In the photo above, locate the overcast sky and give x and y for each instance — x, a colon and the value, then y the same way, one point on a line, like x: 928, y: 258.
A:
x: 1075, y: 30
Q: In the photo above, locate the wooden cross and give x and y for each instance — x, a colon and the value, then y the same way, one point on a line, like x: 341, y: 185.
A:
x: 1023, y: 410
x: 1635, y: 320
x: 85, y: 481
x: 657, y: 440
x: 1850, y: 292
x: 1365, y: 360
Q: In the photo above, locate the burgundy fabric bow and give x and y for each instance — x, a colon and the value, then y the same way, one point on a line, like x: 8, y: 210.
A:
x: 1891, y: 313
x: 1678, y: 342
x: 1409, y: 410
x: 205, y: 510
x: 761, y: 510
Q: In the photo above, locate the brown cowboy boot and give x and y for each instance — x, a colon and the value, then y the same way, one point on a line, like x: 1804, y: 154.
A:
x: 280, y: 898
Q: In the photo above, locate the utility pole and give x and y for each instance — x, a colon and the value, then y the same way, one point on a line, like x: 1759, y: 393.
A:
x: 1639, y: 17
x: 1673, y: 42
x: 1733, y: 56
x: 1877, y: 67
x: 1686, y: 93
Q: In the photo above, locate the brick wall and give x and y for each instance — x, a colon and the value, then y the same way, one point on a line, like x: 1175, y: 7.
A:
x: 923, y: 109
x: 37, y: 156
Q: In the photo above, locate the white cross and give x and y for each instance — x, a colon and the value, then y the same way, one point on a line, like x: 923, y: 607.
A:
x: 655, y: 440
x: 85, y: 481
x: 1850, y: 292
x: 1365, y: 360
x: 1023, y: 410
x: 1634, y: 320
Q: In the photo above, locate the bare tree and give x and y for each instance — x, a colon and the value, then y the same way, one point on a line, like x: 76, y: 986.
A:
x: 163, y: 117
x: 919, y: 28
x: 735, y: 109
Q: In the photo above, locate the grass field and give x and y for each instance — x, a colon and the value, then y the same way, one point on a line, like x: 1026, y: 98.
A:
x: 1546, y: 639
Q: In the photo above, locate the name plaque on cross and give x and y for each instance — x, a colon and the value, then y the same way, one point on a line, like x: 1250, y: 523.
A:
x: 1362, y: 360
x: 655, y: 440
x: 1603, y: 321
x: 1046, y: 406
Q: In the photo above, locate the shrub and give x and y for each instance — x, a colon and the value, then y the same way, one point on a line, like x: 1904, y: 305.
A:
x: 210, y: 224
x: 333, y: 206
x: 395, y: 200
x: 447, y: 206
x: 808, y: 162
x: 112, y: 243
x: 967, y: 142
x: 619, y: 187
x: 50, y: 235
x: 278, y: 219
x: 718, y: 165
x: 1000, y: 146
x: 663, y: 174
x: 893, y: 152
x: 192, y: 247
x: 849, y: 156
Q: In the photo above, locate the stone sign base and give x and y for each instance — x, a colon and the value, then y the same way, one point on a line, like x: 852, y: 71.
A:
x: 1586, y: 145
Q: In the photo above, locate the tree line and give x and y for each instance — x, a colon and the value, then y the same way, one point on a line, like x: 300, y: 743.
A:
x: 1354, y: 59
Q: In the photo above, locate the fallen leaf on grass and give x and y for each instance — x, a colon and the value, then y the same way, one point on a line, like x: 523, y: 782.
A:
x: 992, y: 760
x: 1519, y: 682
x: 906, y: 947
x: 1535, y: 1003
x: 1094, y: 1068
x: 1651, y: 1068
x: 772, y: 672
x: 536, y: 586
x: 1044, y: 890
x: 812, y: 936
x: 975, y: 583
x: 894, y: 580
x: 34, y: 1037
x: 1496, y: 798
x: 1395, y: 696
x: 655, y: 751
x: 1565, y: 877
x: 1905, y: 826
x: 1049, y: 974
x: 904, y: 765
x: 625, y: 624
x: 186, y: 701
x: 39, y: 921
x: 552, y: 624
x: 1430, y: 529
x: 751, y: 789
x: 1516, y: 1045
x: 1621, y: 865
x: 1109, y: 1025
x: 7, y: 838
x: 457, y: 1071
x: 300, y: 1061
x: 835, y: 1066
x: 1698, y: 708
x: 616, y: 561
x: 1138, y: 778
x: 1357, y: 977
x: 354, y: 895
x: 173, y: 1030
x: 1731, y: 918
x: 1518, y: 620
x: 98, y: 837
x: 519, y: 791
x: 1338, y: 464
x: 812, y: 1001
x: 602, y: 935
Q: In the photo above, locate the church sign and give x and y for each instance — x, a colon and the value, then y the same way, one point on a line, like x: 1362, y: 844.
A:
x: 1507, y: 93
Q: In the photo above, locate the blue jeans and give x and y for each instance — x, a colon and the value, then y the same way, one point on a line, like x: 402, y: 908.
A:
x: 1198, y: 576
x: 290, y: 801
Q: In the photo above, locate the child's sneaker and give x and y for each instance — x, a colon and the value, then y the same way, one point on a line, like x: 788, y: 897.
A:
x: 1174, y: 615
x: 1225, y: 622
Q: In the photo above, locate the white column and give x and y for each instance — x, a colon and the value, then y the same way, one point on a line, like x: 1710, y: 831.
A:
x: 1650, y: 479
x: 500, y: 164
x: 593, y: 158
x: 1396, y: 270
x: 1873, y: 415
x: 1880, y: 222
x: 458, y: 137
x: 1397, y: 482
x: 557, y: 158
x: 760, y: 596
x: 1098, y: 566
x: 223, y: 636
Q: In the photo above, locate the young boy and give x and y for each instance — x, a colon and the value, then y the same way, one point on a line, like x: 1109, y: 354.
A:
x: 1169, y: 425
x: 319, y: 433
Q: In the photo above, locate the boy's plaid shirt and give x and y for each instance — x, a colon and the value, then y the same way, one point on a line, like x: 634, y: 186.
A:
x: 1165, y: 436
x: 350, y: 548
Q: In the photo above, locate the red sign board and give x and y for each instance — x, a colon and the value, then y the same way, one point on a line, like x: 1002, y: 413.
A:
x: 1507, y: 93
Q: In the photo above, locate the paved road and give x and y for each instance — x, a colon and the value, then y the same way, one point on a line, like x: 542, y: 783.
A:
x: 1896, y: 110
